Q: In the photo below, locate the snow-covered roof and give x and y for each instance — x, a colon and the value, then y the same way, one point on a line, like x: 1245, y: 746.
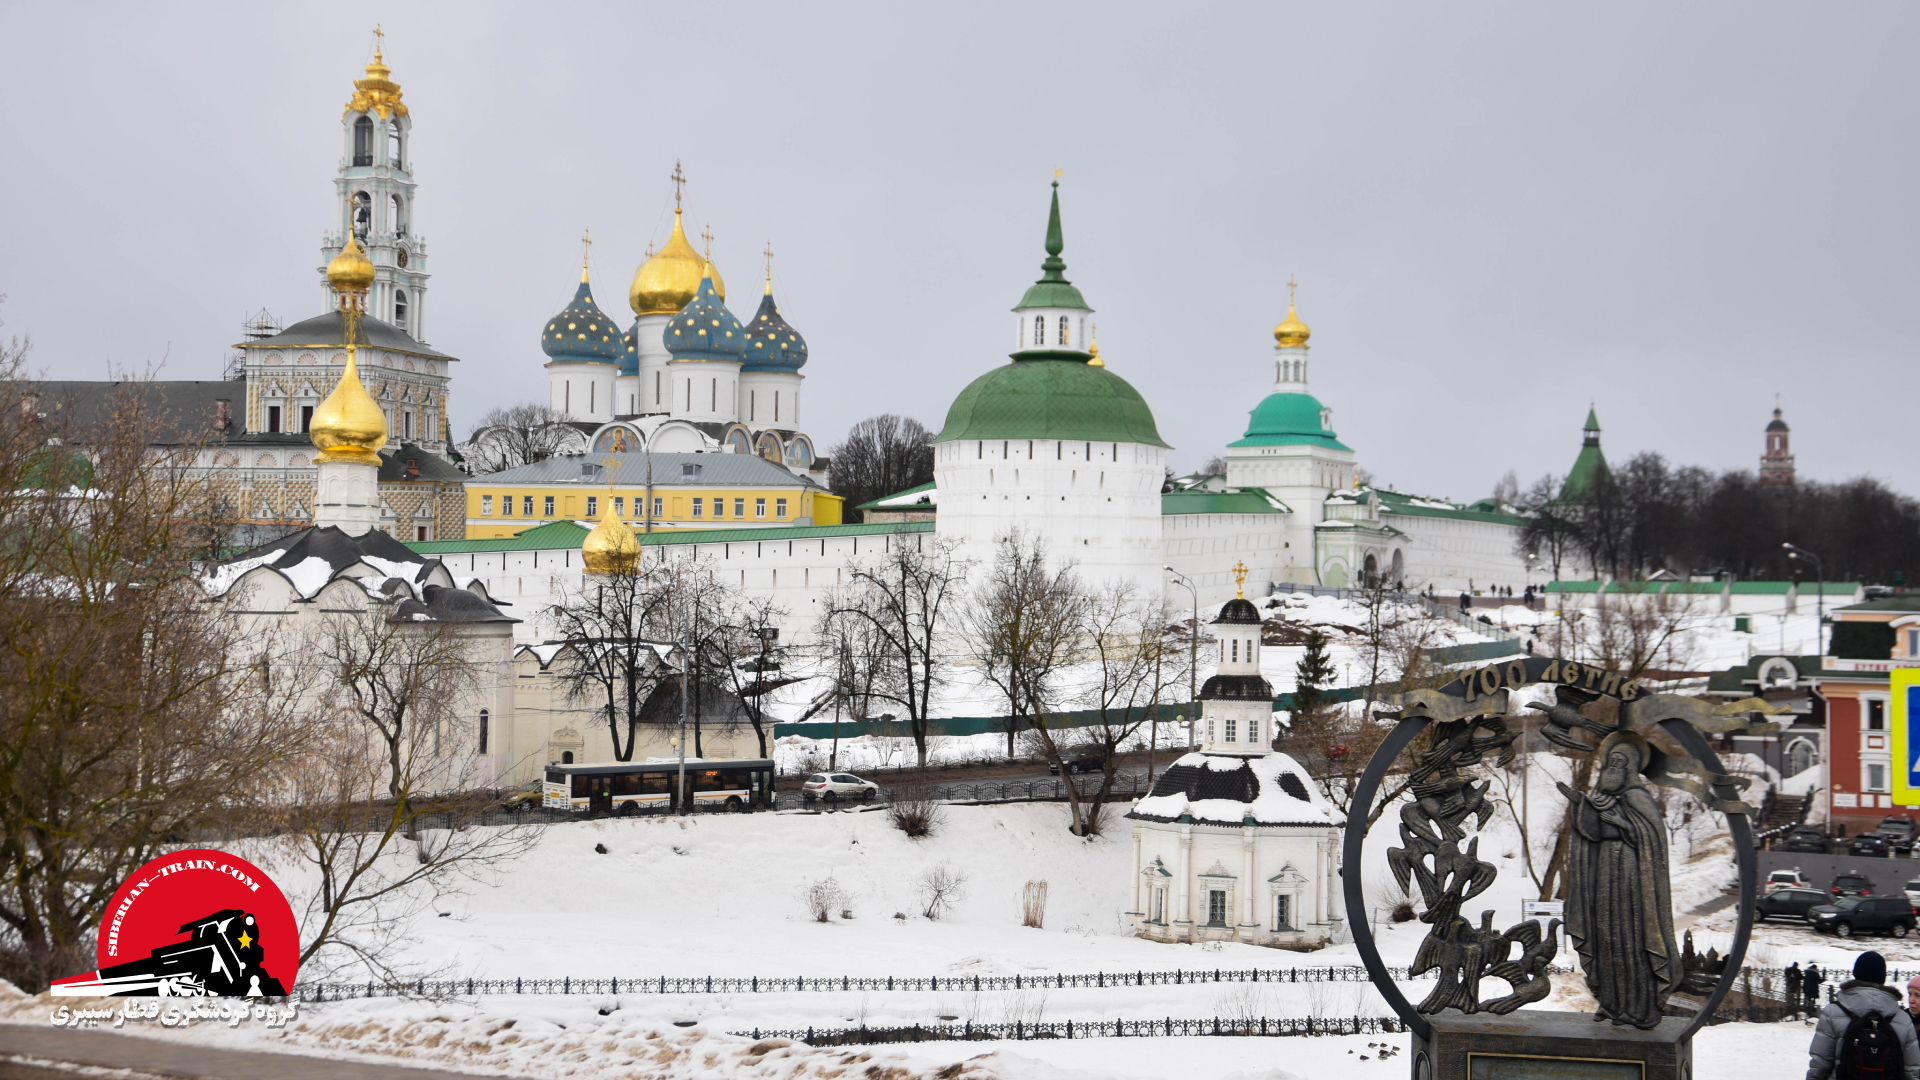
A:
x: 1229, y: 789
x: 311, y: 559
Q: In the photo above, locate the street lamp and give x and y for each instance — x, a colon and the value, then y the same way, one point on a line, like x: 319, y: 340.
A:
x: 1193, y: 648
x: 1819, y: 596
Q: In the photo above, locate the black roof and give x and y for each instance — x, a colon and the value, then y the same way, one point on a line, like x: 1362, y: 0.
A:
x: 186, y: 407
x: 445, y: 604
x: 1236, y: 688
x: 330, y: 330
x: 1240, y: 612
x: 393, y: 465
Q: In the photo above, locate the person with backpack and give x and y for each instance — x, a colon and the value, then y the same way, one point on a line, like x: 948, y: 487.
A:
x: 1865, y: 1034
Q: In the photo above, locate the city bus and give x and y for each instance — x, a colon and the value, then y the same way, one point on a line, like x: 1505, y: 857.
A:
x: 635, y: 787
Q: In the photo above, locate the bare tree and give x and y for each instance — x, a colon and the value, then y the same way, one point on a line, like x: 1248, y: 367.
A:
x: 614, y: 626
x: 382, y: 810
x: 1020, y: 623
x: 746, y: 658
x: 514, y: 435
x: 1136, y: 664
x: 906, y: 598
x: 857, y: 662
x: 1552, y: 529
x: 127, y: 718
x: 881, y: 455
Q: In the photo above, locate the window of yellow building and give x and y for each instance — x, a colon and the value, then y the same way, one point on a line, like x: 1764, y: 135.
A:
x: 759, y: 508
x: 739, y: 508
x: 486, y: 506
x: 780, y: 509
x: 656, y: 506
x: 506, y: 506
x: 593, y: 506
x: 697, y: 504
x: 548, y: 511
x: 526, y: 506
x: 619, y: 506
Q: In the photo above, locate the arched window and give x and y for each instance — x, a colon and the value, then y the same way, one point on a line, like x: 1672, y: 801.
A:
x: 362, y: 214
x: 397, y: 216
x: 363, y: 140
x: 483, y: 733
x: 400, y: 308
x: 393, y: 146
x: 1063, y: 330
x: 566, y: 757
x: 1039, y: 329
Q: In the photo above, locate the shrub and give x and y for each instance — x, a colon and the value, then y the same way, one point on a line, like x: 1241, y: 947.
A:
x: 1033, y: 904
x: 940, y: 889
x: 914, y: 808
x: 826, y: 896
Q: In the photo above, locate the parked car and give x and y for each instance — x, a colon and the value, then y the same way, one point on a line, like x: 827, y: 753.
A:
x: 1851, y: 885
x: 1806, y: 838
x: 1787, y: 879
x: 526, y: 797
x: 1790, y: 903
x: 837, y: 787
x: 1850, y: 915
x: 1870, y: 844
x: 1899, y: 832
x: 1082, y: 763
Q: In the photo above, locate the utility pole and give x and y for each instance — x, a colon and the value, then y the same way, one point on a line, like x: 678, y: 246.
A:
x: 1819, y: 597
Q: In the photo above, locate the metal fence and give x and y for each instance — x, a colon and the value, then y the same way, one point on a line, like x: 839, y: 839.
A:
x: 779, y: 984
x: 1090, y: 1029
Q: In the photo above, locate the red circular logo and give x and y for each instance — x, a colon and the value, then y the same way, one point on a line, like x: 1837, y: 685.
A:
x: 195, y: 923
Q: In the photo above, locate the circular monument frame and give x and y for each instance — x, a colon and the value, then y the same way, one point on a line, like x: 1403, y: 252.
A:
x: 1354, y: 841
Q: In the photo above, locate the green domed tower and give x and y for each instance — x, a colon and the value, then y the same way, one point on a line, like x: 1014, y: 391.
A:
x: 1055, y: 444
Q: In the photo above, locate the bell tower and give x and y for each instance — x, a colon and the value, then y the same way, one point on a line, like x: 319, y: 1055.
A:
x: 375, y: 190
x: 1776, y: 465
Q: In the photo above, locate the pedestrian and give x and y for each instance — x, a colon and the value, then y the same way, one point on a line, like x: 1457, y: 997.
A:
x: 1865, y: 1032
x: 1913, y: 998
x: 1793, y: 986
x: 1810, y: 984
x: 1465, y: 600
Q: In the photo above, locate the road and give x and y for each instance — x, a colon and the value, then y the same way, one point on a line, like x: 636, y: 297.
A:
x: 1888, y: 875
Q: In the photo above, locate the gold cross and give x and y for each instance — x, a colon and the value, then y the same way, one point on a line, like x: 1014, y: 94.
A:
x: 379, y: 39
x: 1240, y: 579
x: 679, y: 178
x: 611, y: 463
x: 1290, y: 288
x: 706, y: 233
x: 769, y: 254
x: 586, y: 242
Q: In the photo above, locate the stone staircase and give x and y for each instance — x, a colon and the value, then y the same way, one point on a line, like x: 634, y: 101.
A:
x: 1786, y: 812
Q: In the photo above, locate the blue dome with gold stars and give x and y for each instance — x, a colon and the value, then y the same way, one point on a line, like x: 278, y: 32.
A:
x: 705, y: 329
x: 582, y: 333
x: 772, y: 345
x: 630, y: 356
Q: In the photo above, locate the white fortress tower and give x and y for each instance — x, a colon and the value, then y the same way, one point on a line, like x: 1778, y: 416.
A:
x: 375, y: 204
x: 1056, y: 445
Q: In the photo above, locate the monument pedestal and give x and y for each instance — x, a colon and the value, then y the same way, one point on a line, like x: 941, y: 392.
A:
x: 1536, y: 1045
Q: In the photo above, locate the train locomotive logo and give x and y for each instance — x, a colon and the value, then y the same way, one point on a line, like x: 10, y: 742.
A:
x: 196, y: 923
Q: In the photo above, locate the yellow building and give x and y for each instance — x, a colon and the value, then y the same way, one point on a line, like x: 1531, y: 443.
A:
x: 666, y: 491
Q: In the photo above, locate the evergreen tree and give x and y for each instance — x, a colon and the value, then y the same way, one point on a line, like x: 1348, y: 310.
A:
x: 1311, y: 676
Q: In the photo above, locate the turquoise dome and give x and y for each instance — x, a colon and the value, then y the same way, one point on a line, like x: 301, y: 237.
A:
x: 705, y: 329
x: 582, y: 333
x: 1290, y: 420
x: 772, y: 344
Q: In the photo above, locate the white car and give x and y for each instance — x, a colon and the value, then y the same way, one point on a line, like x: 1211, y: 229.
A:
x: 838, y: 787
x: 1912, y: 889
x: 1786, y: 879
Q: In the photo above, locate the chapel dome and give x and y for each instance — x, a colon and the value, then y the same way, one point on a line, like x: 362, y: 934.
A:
x: 1287, y: 419
x: 611, y: 548
x: 581, y: 332
x: 1291, y: 333
x: 1229, y: 789
x: 670, y: 279
x: 1239, y: 611
x: 1777, y: 424
x: 349, y: 425
x: 1050, y: 399
x: 705, y: 329
x: 350, y: 271
x: 773, y: 344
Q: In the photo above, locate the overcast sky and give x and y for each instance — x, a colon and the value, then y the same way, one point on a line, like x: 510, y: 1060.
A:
x: 1497, y: 213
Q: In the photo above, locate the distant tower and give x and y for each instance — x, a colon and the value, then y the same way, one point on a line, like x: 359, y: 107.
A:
x: 1776, y: 465
x: 375, y: 187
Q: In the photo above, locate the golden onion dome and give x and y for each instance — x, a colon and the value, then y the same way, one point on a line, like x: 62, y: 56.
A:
x: 611, y: 548
x: 1291, y: 333
x: 1093, y: 351
x: 671, y: 277
x: 349, y: 426
x: 350, y: 271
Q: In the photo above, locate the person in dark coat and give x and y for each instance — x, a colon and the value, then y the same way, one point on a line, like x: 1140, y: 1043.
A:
x: 1810, y: 983
x: 1793, y: 986
x: 1465, y: 601
x: 1866, y: 994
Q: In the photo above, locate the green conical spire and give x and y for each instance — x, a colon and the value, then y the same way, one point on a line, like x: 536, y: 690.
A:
x: 1053, y: 290
x: 1593, y: 420
x: 1054, y: 264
